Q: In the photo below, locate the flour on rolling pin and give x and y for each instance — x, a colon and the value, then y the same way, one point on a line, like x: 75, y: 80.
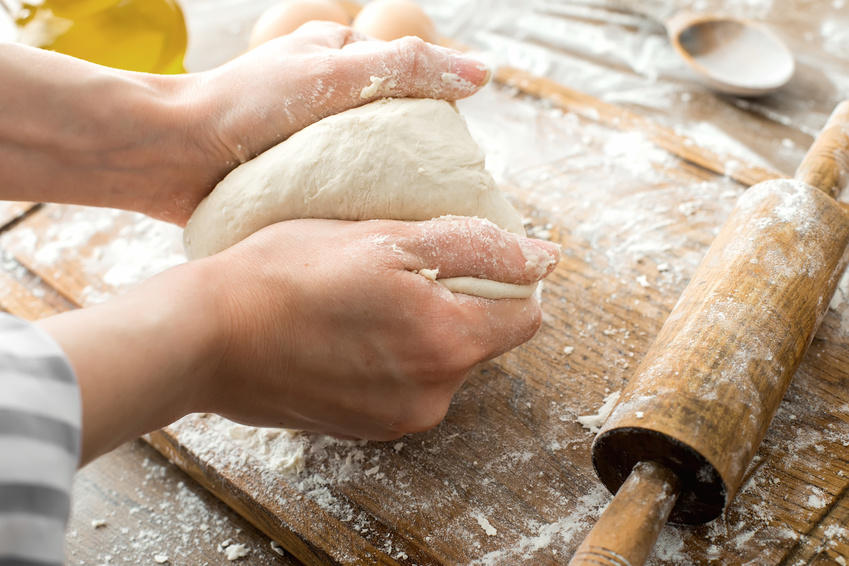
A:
x: 793, y: 219
x: 723, y: 360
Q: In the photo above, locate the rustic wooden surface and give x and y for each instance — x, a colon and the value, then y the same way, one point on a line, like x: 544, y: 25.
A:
x: 12, y: 211
x: 134, y: 507
x: 632, y: 172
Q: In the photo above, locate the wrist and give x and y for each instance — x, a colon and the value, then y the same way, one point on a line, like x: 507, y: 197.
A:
x: 142, y: 360
x: 196, y: 327
x: 183, y: 323
x: 80, y: 133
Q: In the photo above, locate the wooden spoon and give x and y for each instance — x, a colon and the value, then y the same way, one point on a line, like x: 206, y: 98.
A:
x: 731, y: 55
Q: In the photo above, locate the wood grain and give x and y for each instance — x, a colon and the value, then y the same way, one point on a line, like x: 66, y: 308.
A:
x: 26, y: 295
x: 616, y: 117
x: 12, y: 211
x: 132, y: 506
x: 704, y: 395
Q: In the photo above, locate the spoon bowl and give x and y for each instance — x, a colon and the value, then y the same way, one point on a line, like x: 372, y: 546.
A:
x: 731, y: 55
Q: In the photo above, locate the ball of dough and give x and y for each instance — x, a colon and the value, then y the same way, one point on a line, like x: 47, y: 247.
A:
x: 400, y: 159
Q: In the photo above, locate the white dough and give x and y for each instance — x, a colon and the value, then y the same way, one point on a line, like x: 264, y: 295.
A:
x: 400, y: 159
x: 487, y: 288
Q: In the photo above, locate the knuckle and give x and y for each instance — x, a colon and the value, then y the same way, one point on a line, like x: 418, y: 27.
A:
x: 449, y: 354
x: 457, y: 360
x: 412, y: 45
x: 535, y: 319
x: 425, y: 416
x: 413, y: 52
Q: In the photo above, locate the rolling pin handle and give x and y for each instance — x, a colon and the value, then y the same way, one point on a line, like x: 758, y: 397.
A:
x: 627, y: 530
x: 826, y: 165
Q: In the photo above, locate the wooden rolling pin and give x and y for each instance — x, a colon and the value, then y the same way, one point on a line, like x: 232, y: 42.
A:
x: 679, y: 441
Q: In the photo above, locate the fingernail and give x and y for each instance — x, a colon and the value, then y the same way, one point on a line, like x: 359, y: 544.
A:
x: 471, y: 70
x: 539, y: 255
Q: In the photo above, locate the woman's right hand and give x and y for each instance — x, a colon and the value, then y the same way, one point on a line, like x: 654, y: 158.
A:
x: 330, y: 328
x: 320, y: 325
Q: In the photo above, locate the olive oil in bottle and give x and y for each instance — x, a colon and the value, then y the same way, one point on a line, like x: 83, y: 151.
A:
x: 137, y: 35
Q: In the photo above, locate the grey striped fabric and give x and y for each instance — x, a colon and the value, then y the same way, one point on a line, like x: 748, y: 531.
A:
x: 40, y: 419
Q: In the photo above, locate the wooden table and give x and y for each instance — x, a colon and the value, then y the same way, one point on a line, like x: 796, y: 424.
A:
x: 632, y: 169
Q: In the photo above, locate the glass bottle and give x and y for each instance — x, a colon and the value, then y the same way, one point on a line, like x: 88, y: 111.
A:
x: 137, y: 35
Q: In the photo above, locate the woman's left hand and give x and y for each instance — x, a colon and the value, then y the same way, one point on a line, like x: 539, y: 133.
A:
x: 79, y: 133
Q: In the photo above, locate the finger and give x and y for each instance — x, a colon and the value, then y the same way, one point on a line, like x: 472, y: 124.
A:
x: 472, y: 247
x: 412, y: 68
x: 506, y: 324
x: 479, y: 329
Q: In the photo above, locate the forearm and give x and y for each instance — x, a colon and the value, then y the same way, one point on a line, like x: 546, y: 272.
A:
x: 75, y: 132
x: 140, y: 359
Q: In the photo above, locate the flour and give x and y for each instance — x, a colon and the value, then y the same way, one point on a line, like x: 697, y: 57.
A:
x: 711, y: 137
x: 816, y: 499
x: 839, y: 301
x: 236, y: 551
x: 290, y: 463
x: 564, y: 532
x: 560, y: 178
x: 486, y: 525
x: 593, y: 423
x: 141, y: 248
x: 379, y: 87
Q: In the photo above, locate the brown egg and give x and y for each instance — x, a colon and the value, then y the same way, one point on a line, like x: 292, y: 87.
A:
x: 288, y: 15
x: 393, y: 19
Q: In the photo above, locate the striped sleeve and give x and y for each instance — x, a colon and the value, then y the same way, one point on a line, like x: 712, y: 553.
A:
x: 40, y: 423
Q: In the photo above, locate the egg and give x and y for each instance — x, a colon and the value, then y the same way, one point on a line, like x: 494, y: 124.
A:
x: 288, y: 15
x: 393, y: 19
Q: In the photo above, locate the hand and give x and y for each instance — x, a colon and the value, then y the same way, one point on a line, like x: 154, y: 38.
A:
x: 284, y: 85
x: 80, y: 133
x: 319, y: 325
x: 331, y: 329
x: 256, y: 101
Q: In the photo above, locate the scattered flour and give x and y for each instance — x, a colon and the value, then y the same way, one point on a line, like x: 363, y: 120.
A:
x: 142, y: 248
x: 486, y: 525
x: 236, y: 551
x: 564, y: 532
x: 816, y: 499
x: 593, y: 423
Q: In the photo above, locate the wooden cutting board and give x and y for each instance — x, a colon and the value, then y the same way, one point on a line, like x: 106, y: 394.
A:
x: 507, y: 478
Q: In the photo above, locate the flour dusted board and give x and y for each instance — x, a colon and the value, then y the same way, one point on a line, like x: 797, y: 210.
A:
x: 507, y: 479
x: 88, y: 254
